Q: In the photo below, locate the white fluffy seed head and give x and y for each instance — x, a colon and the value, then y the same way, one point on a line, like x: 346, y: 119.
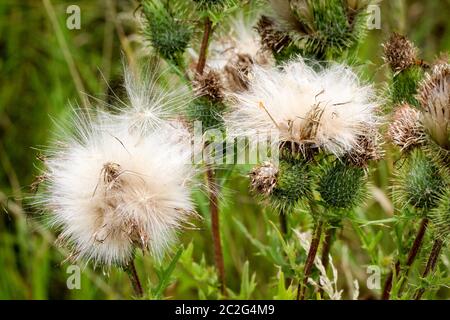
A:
x: 117, y: 184
x: 329, y: 109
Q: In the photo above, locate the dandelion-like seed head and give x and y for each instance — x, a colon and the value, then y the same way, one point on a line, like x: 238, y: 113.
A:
x: 405, y: 130
x: 327, y: 109
x: 399, y: 52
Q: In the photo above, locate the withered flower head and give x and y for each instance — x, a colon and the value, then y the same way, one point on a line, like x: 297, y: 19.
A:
x: 399, y: 52
x: 209, y: 84
x: 434, y: 98
x: 264, y: 178
x: 271, y: 38
x: 406, y: 130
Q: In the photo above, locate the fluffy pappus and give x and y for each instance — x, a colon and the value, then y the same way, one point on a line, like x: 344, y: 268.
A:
x: 328, y: 109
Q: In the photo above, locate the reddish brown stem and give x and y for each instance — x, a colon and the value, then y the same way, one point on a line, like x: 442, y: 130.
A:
x: 410, y: 260
x: 204, y: 46
x: 215, y: 227
x: 431, y: 264
x: 134, y: 279
x: 301, y: 290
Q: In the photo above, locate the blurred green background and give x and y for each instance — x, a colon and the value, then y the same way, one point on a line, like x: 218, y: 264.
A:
x: 44, y: 67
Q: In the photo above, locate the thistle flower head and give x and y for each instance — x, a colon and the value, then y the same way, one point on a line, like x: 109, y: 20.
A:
x: 209, y: 84
x: 233, y: 54
x: 399, y: 52
x: 419, y: 182
x: 327, y: 109
x: 264, y: 178
x: 405, y: 129
x: 323, y: 28
x: 271, y: 37
x: 434, y: 98
x: 342, y: 188
x: 121, y: 181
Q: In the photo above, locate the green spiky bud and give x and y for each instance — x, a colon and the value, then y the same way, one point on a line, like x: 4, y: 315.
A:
x: 342, y: 188
x: 293, y: 183
x: 206, y: 110
x: 168, y: 34
x: 420, y: 183
x: 324, y: 29
x: 404, y: 85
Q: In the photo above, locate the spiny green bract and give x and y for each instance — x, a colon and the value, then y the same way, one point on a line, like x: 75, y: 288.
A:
x: 207, y: 111
x: 167, y: 34
x: 206, y: 4
x: 404, y: 85
x: 420, y: 182
x: 342, y: 187
x: 293, y: 183
x: 331, y: 28
x: 440, y: 216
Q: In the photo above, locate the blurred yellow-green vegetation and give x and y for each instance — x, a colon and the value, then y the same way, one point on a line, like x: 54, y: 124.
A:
x: 45, y: 67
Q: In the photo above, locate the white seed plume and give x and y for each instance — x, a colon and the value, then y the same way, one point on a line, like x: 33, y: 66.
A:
x: 329, y: 109
x: 115, y: 186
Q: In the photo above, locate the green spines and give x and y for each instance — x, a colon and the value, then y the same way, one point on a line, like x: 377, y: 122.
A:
x: 293, y: 183
x: 404, y: 85
x: 440, y: 216
x: 342, y: 188
x: 207, y: 111
x: 332, y: 27
x: 168, y: 34
x: 421, y: 183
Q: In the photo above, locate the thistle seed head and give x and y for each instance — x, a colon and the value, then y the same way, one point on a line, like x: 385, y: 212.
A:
x: 399, y: 52
x: 209, y: 84
x: 434, y: 98
x: 271, y: 38
x: 264, y: 178
x: 405, y: 130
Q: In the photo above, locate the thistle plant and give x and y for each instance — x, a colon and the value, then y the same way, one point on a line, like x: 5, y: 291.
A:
x: 121, y: 182
x: 313, y: 112
x: 420, y: 128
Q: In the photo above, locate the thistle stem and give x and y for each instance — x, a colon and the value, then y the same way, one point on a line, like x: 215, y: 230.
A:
x: 301, y: 290
x: 215, y: 227
x: 431, y: 264
x: 130, y: 269
x: 204, y: 46
x: 326, y: 247
x: 417, y: 244
x: 283, y: 222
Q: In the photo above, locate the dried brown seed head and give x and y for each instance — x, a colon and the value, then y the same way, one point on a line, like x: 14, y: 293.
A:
x: 406, y: 130
x: 434, y: 97
x: 399, y: 52
x: 271, y: 38
x: 264, y: 178
x: 209, y: 84
x: 367, y: 149
x: 237, y: 71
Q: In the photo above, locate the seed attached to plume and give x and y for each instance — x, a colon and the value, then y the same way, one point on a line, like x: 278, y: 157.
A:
x: 406, y: 130
x: 399, y: 52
